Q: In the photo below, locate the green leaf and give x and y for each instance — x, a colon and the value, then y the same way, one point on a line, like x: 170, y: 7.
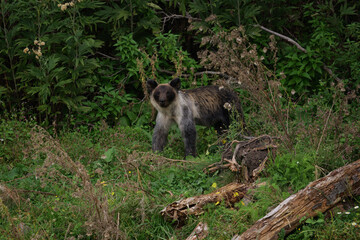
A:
x: 305, y: 74
x: 153, y: 5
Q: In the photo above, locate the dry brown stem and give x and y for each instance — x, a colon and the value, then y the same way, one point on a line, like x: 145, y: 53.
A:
x: 234, y: 56
x: 99, y: 219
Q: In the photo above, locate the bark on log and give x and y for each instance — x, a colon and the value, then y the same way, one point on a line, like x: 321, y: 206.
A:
x: 230, y: 193
x: 200, y: 232
x: 319, y: 196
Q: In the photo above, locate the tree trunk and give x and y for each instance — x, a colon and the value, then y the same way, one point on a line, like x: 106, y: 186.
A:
x: 319, y: 196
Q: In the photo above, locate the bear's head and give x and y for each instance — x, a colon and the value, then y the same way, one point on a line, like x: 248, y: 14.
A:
x: 163, y: 94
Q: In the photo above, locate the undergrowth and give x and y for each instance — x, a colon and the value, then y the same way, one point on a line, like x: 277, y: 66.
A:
x: 103, y: 183
x: 100, y: 183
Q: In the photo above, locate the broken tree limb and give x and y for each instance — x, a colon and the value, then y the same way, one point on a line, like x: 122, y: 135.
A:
x: 200, y: 232
x: 290, y: 40
x: 248, y: 157
x: 230, y: 193
x: 220, y: 74
x: 319, y: 196
x: 298, y: 46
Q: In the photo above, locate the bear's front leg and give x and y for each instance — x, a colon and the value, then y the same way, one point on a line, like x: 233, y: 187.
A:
x: 188, y: 132
x: 161, y: 131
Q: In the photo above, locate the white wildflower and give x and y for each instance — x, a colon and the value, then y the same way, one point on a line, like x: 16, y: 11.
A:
x: 227, y: 106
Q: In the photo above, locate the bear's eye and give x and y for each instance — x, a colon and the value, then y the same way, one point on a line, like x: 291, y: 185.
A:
x: 170, y: 95
x: 156, y: 95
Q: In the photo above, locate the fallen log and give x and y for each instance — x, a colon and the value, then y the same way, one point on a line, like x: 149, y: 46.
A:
x: 179, y: 210
x: 200, y: 232
x: 319, y: 196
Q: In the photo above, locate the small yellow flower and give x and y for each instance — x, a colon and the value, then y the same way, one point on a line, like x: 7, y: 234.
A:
x: 217, y: 203
x: 236, y: 194
x: 217, y: 193
x: 26, y: 50
x: 223, y: 141
x: 242, y: 203
x: 214, y: 185
x: 112, y: 193
x: 129, y: 172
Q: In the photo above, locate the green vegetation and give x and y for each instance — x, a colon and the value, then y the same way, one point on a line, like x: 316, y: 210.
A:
x: 76, y: 125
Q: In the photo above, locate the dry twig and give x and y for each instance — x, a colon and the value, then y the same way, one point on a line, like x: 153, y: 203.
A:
x: 298, y: 46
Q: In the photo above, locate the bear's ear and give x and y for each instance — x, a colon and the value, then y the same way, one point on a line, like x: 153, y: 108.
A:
x: 151, y: 85
x: 176, y: 83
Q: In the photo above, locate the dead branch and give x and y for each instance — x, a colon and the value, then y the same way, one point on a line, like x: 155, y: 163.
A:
x: 200, y: 232
x: 230, y: 193
x: 108, y: 56
x: 177, y: 16
x: 199, y: 74
x: 298, y: 46
x: 319, y: 196
x: 248, y: 157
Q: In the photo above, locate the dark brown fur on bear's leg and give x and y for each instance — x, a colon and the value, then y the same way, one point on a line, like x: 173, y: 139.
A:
x: 188, y: 131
